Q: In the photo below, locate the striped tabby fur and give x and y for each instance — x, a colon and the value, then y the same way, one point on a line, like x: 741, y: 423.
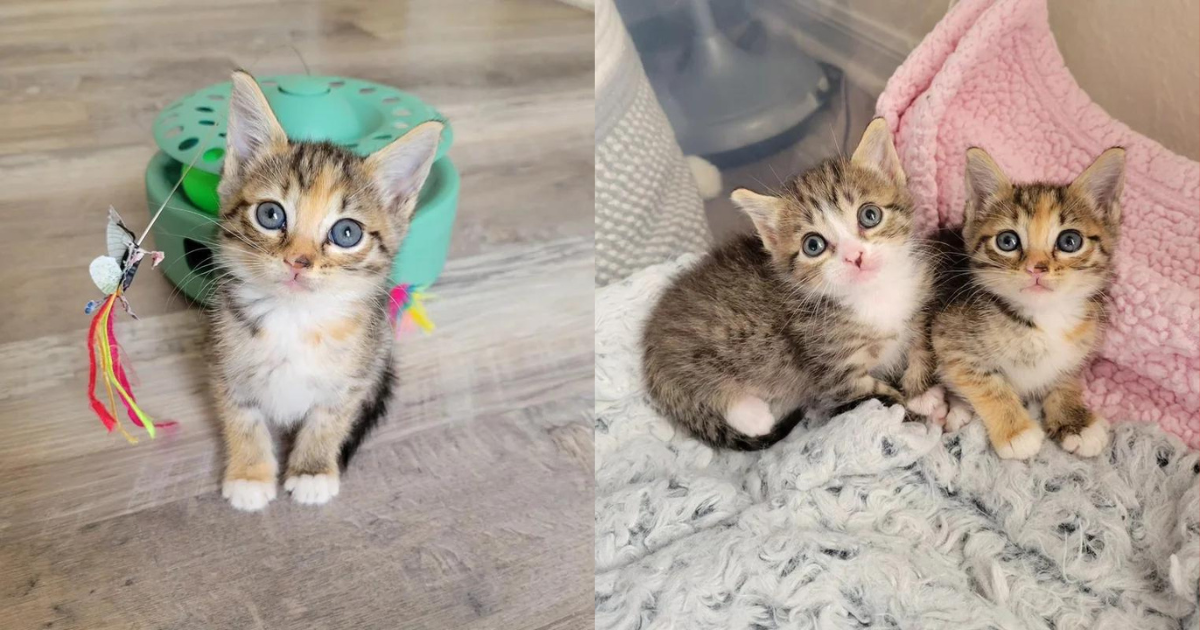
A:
x: 759, y: 331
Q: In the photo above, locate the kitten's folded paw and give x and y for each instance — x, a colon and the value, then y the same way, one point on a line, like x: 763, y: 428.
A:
x: 1088, y: 442
x: 959, y: 415
x: 312, y: 489
x: 1022, y: 444
x: 248, y: 495
x: 931, y: 404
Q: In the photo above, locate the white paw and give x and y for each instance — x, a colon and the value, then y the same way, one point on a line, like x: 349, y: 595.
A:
x: 931, y: 404
x: 960, y: 415
x: 250, y: 496
x: 751, y: 416
x: 1090, y: 441
x: 1023, y: 445
x: 312, y: 489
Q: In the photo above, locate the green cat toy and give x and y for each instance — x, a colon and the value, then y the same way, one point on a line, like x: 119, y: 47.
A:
x: 356, y: 114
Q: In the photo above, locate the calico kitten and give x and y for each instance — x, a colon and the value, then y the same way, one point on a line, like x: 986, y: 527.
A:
x: 301, y: 338
x: 823, y: 308
x: 1028, y: 307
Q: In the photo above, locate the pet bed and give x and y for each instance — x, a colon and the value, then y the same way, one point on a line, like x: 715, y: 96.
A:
x: 866, y: 521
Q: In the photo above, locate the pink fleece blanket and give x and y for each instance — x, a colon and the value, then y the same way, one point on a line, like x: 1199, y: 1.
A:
x: 990, y: 75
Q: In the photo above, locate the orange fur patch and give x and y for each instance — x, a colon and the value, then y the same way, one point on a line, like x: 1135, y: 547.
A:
x: 339, y: 330
x: 1084, y: 329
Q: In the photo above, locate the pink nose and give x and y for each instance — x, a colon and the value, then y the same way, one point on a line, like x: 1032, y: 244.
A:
x: 298, y: 263
x: 1036, y: 272
x: 857, y: 259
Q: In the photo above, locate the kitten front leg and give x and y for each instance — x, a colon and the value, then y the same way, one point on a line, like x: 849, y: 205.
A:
x: 312, y: 475
x: 1012, y: 432
x: 923, y: 396
x: 250, y: 466
x: 1071, y: 423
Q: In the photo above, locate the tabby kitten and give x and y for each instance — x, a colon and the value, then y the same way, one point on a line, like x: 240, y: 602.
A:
x: 823, y: 308
x: 301, y: 338
x: 1038, y: 261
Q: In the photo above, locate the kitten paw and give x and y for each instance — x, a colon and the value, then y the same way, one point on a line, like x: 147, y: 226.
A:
x: 931, y: 404
x: 1088, y: 442
x: 750, y: 415
x: 247, y: 495
x: 959, y: 415
x: 312, y: 489
x: 1022, y: 445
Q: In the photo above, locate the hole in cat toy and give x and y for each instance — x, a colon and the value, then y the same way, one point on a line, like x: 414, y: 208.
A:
x: 207, y: 123
x: 383, y: 136
x: 197, y: 255
x: 366, y: 90
x: 204, y: 108
x: 173, y: 131
x: 403, y: 111
x: 212, y: 155
x: 336, y: 84
x: 189, y: 143
x: 222, y: 134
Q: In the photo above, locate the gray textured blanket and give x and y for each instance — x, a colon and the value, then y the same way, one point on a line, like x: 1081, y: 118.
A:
x: 864, y: 521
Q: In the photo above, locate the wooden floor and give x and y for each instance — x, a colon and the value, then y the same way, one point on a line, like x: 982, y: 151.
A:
x: 472, y: 507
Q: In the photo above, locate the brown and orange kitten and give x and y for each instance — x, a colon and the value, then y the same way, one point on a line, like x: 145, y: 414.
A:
x: 1026, y: 306
x: 301, y: 338
x: 823, y: 308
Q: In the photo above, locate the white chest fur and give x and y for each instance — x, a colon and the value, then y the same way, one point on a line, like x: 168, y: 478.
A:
x: 1048, y: 352
x: 289, y: 367
x: 888, y: 305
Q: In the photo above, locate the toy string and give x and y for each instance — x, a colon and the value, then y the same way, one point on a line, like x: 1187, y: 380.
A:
x: 182, y: 174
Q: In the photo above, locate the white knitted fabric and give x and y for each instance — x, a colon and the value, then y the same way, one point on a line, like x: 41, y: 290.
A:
x: 647, y: 207
x: 867, y: 522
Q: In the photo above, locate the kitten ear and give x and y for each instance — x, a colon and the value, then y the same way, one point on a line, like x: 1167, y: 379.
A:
x: 764, y: 211
x: 877, y: 152
x: 984, y: 180
x: 400, y: 168
x: 1102, y: 182
x: 252, y: 129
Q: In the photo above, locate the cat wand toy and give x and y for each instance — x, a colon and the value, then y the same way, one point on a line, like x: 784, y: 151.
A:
x: 113, y: 274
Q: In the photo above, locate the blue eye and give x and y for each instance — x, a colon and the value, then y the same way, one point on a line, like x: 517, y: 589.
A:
x: 870, y: 215
x: 270, y: 215
x: 814, y: 244
x: 1007, y: 241
x: 345, y: 233
x: 1069, y: 241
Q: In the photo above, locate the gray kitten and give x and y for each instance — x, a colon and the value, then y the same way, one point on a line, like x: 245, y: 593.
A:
x: 825, y: 307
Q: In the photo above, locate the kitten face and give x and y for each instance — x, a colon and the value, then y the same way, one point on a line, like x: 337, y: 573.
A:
x: 836, y: 228
x: 303, y: 218
x: 1041, y: 246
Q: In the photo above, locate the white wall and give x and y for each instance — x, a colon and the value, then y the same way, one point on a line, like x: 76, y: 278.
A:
x: 1138, y: 59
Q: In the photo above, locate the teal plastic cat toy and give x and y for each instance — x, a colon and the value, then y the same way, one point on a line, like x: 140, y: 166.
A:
x: 359, y: 115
